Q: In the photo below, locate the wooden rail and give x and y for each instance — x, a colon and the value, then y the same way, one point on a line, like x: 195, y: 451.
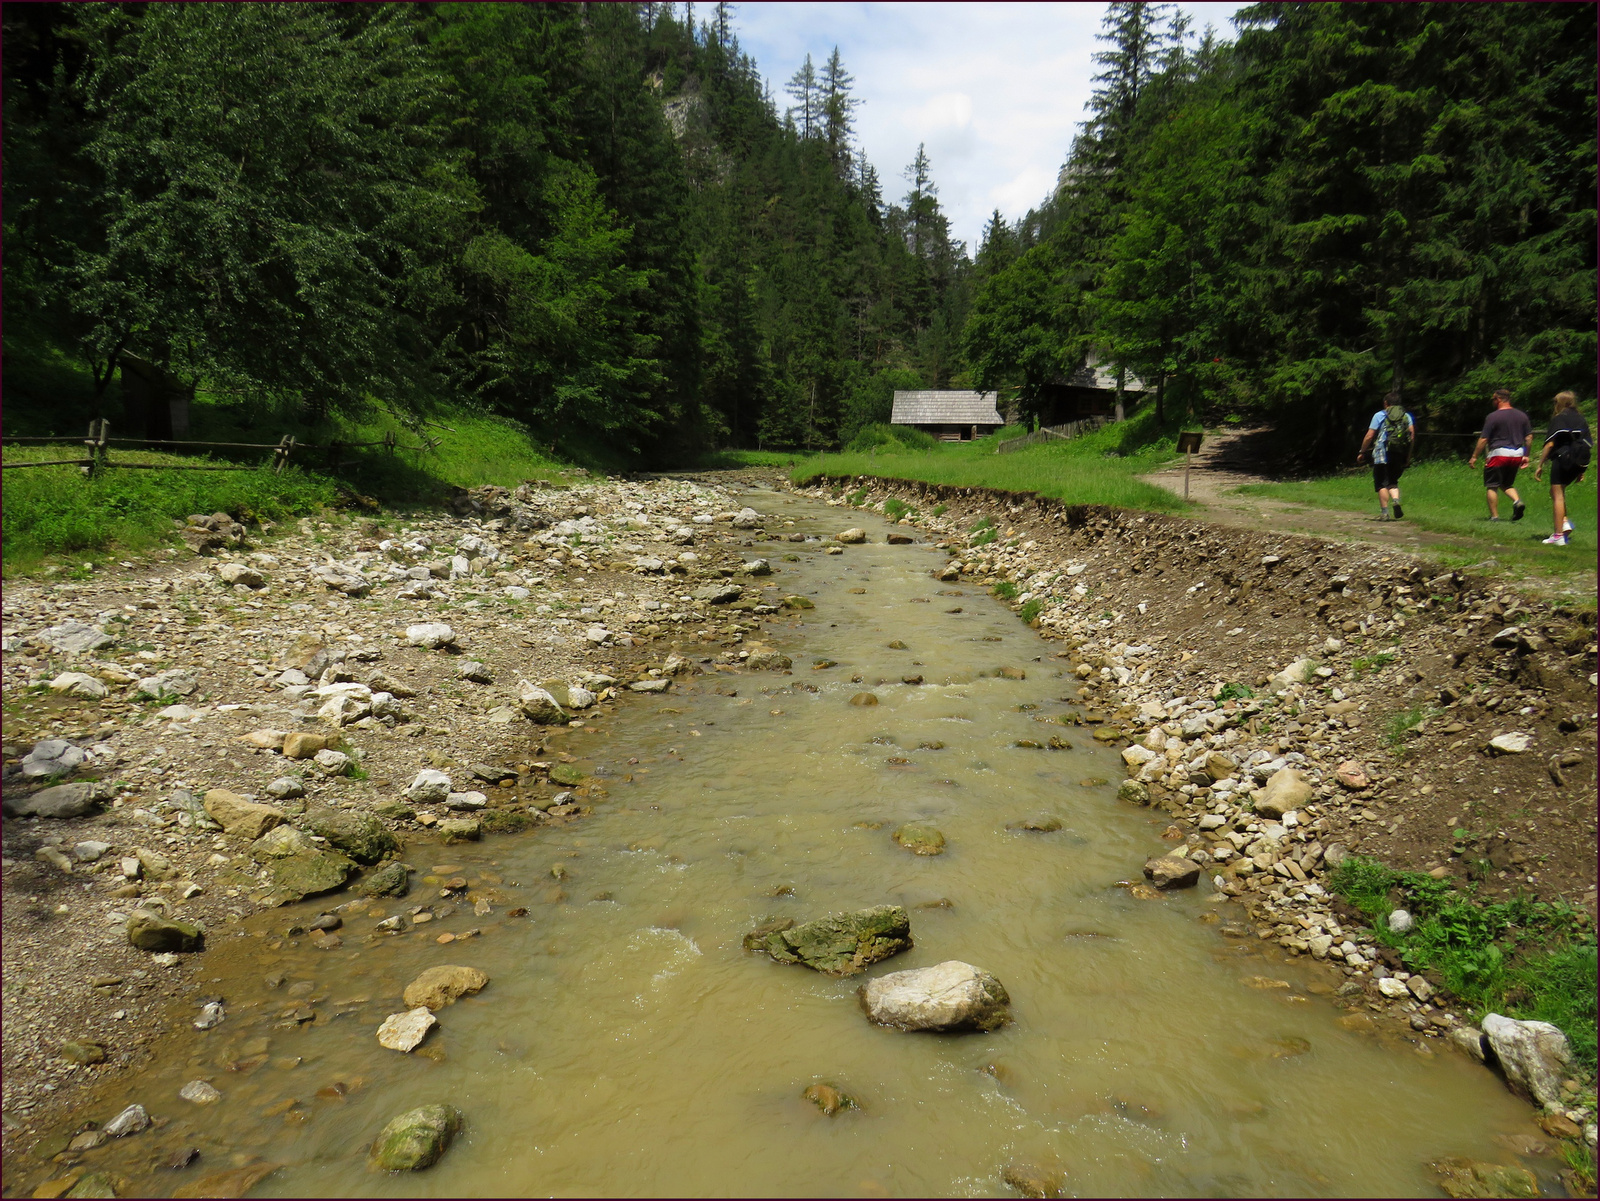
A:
x: 99, y: 442
x: 1051, y: 433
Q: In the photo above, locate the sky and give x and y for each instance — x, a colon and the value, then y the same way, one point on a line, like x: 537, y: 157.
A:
x: 996, y: 91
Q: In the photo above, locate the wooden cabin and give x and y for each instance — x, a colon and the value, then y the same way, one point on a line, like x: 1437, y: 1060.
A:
x: 1090, y: 391
x: 948, y: 415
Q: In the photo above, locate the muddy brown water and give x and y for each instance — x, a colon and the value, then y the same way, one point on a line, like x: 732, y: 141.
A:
x: 627, y: 1044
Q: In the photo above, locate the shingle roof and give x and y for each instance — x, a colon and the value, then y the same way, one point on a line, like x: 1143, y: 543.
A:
x: 1094, y: 374
x: 944, y: 408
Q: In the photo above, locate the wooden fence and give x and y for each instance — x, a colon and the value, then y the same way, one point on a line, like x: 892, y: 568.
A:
x: 1051, y: 433
x: 99, y: 442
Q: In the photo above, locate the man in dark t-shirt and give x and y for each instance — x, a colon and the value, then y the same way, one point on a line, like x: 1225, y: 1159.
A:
x: 1507, y: 437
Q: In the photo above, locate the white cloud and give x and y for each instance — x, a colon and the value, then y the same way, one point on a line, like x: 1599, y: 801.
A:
x: 996, y: 91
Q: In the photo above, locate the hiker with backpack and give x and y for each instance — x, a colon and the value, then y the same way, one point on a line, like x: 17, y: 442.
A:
x: 1390, y: 436
x: 1506, y: 439
x: 1567, y: 446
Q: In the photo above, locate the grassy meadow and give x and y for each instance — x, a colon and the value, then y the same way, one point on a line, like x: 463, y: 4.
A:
x: 1099, y: 468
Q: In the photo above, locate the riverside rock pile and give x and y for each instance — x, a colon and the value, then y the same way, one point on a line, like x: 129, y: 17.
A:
x: 1289, y: 702
x: 266, y: 714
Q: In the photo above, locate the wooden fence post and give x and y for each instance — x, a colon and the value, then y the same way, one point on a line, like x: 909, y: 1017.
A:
x: 99, y: 433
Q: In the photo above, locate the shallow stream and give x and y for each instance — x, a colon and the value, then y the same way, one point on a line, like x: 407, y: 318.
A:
x: 628, y: 1045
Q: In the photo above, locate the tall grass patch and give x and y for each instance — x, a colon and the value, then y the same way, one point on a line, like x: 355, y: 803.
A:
x: 1527, y: 959
x: 52, y: 511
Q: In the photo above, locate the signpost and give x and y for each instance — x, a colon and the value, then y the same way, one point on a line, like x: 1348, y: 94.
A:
x: 1188, y: 442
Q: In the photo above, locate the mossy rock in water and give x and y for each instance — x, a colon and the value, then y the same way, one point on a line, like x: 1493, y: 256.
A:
x: 797, y: 602
x: 415, y: 1140
x: 920, y: 840
x: 360, y: 835
x: 863, y: 698
x: 566, y: 773
x: 897, y: 645
x: 1472, y: 1178
x: 390, y: 880
x: 95, y: 1184
x: 829, y: 1099
x: 1034, y: 1180
x: 308, y: 874
x: 1132, y: 792
x: 840, y: 944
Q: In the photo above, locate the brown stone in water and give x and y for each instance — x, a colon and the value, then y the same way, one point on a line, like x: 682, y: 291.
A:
x: 236, y: 1183
x: 829, y: 1099
x: 1169, y: 871
x: 1033, y: 1181
x: 1012, y: 673
x: 863, y: 698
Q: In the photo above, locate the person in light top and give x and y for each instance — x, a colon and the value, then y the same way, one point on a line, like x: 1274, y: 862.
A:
x: 1390, y: 436
x: 1507, y: 437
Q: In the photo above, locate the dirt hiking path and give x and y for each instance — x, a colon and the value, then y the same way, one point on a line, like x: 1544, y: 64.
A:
x: 1229, y: 460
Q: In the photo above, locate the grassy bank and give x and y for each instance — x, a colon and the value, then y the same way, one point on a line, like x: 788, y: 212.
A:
x: 1099, y: 468
x: 1445, y: 496
x: 1525, y: 959
x: 54, y: 514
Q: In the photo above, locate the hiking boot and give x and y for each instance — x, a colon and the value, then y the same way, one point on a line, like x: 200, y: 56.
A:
x: 1398, y: 511
x: 1383, y: 514
x: 1517, y: 510
x: 1556, y: 540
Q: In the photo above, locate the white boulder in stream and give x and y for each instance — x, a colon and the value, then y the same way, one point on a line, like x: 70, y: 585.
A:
x: 948, y: 996
x: 1534, y: 1056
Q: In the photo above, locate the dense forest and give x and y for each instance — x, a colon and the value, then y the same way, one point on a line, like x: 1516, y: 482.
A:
x: 598, y: 220
x: 1348, y: 199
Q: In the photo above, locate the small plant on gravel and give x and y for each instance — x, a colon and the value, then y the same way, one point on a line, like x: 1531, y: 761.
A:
x: 1398, y: 725
x: 1030, y: 611
x: 983, y: 537
x: 1579, y: 1158
x: 983, y: 523
x: 1367, y: 664
x: 1005, y: 590
x: 1234, y: 692
x: 856, y: 498
x: 896, y: 508
x: 940, y: 510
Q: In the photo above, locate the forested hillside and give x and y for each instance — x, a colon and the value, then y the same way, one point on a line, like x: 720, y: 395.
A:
x: 598, y: 221
x: 589, y: 218
x: 1348, y: 199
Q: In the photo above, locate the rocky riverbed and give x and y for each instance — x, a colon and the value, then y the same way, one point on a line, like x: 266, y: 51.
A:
x: 336, y: 689
x: 267, y: 715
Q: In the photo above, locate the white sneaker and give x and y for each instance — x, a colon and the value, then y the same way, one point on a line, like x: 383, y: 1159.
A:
x: 1567, y: 528
x: 1556, y: 540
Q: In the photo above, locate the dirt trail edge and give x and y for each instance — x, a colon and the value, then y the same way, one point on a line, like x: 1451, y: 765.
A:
x: 1379, y: 680
x: 1227, y: 461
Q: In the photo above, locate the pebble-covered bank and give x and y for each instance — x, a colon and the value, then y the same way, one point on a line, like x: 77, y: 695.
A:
x: 1252, y: 682
x: 269, y: 714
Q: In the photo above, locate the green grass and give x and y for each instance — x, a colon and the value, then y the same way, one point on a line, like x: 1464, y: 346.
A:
x: 1099, y: 468
x: 1030, y: 611
x: 1234, y: 692
x: 735, y: 460
x: 1367, y: 664
x: 54, y: 513
x: 894, y: 438
x: 1446, y: 497
x: 1397, y: 725
x: 1532, y: 960
x: 1005, y: 590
